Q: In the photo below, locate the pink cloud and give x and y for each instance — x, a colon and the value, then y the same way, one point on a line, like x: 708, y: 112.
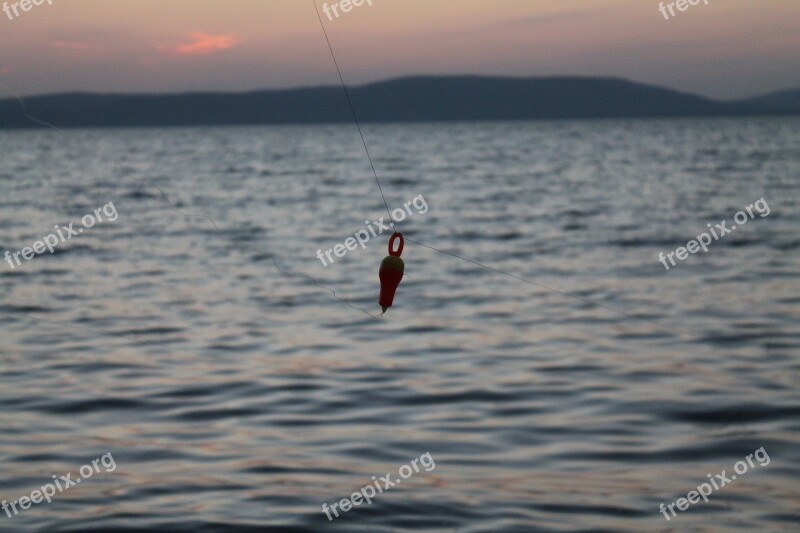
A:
x: 204, y: 43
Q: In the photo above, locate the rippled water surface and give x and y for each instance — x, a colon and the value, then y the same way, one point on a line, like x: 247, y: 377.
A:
x: 236, y: 393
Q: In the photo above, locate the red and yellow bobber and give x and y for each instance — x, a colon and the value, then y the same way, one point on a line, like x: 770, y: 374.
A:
x: 391, y: 272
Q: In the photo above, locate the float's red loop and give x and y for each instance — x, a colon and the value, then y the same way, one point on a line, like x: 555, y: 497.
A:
x: 399, y: 248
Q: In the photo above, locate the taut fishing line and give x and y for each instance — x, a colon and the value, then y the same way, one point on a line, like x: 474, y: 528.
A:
x: 481, y: 265
x: 352, y: 110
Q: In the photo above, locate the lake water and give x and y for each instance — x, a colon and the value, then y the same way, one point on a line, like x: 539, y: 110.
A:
x: 237, y: 396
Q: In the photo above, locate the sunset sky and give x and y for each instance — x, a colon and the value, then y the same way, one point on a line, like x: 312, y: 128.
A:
x: 727, y: 49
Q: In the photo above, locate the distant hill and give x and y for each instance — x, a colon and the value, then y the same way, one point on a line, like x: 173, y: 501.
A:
x: 784, y: 100
x: 412, y: 99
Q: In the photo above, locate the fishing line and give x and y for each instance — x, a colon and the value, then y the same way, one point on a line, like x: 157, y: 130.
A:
x: 481, y: 265
x: 352, y: 110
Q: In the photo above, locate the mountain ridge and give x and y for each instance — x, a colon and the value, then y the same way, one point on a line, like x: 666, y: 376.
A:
x: 404, y: 99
